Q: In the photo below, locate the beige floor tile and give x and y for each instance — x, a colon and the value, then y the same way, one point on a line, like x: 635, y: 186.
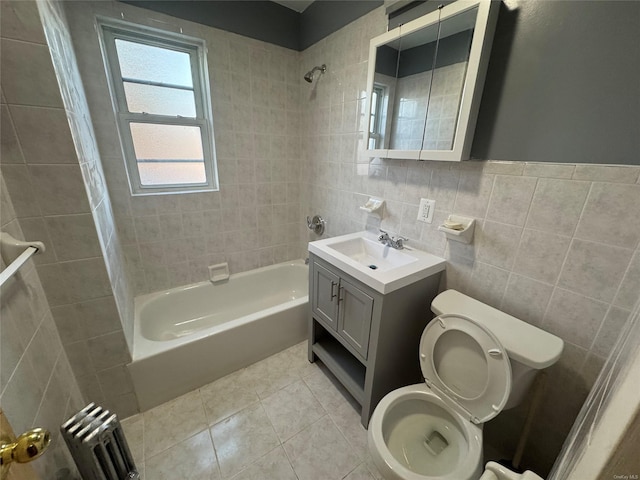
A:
x: 373, y: 470
x: 134, y: 433
x: 292, y: 409
x: 326, y: 389
x: 227, y: 396
x: 192, y: 459
x: 360, y: 473
x: 243, y: 438
x: 299, y: 361
x: 274, y: 465
x: 172, y: 422
x: 347, y: 419
x: 270, y: 375
x: 320, y: 452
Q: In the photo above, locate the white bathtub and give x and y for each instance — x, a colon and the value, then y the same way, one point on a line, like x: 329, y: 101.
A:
x: 189, y: 336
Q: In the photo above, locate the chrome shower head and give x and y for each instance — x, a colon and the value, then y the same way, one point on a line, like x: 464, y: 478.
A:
x: 309, y: 75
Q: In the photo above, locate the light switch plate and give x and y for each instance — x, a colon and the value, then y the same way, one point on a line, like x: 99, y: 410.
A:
x: 426, y: 209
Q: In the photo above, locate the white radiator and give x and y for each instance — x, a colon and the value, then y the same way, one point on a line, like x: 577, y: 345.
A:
x: 98, y: 446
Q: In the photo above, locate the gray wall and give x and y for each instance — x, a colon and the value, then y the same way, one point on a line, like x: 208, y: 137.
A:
x: 563, y: 84
x: 265, y: 20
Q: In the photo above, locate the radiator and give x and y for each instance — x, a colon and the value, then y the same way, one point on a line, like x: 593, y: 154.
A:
x: 98, y: 446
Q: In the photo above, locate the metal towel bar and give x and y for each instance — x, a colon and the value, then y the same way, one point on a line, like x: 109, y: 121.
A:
x: 15, y: 253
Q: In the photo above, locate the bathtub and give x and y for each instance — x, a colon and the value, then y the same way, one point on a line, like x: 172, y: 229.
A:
x: 189, y: 336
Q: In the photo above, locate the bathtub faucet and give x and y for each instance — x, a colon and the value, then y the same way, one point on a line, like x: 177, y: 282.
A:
x: 393, y: 242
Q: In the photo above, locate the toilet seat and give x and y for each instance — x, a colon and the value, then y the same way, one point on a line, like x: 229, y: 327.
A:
x: 466, y: 365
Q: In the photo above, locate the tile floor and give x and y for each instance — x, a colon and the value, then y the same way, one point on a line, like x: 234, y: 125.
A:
x: 279, y: 419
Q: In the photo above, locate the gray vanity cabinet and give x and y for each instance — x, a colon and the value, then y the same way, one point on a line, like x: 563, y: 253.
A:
x: 367, y: 340
x: 343, y: 307
x: 354, y: 316
x: 324, y: 302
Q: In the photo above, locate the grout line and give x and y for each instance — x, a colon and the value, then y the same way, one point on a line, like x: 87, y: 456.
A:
x: 46, y: 388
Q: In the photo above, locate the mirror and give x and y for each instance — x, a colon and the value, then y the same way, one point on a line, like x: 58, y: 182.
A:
x: 425, y: 83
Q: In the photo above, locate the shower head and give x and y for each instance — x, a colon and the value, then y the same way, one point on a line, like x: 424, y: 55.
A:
x: 309, y: 75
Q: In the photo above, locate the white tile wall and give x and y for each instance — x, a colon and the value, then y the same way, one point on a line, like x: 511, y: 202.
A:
x: 53, y: 178
x: 169, y: 240
x: 37, y: 386
x: 555, y: 245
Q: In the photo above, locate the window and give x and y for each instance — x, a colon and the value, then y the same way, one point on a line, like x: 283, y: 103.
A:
x: 375, y: 119
x: 162, y: 104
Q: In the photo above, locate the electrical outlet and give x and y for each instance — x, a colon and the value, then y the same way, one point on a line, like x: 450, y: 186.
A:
x: 426, y: 209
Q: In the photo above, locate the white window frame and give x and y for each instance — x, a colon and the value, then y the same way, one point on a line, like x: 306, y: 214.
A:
x: 377, y: 133
x: 110, y: 30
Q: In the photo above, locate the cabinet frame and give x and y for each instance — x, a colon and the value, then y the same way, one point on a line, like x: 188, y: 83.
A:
x: 391, y: 360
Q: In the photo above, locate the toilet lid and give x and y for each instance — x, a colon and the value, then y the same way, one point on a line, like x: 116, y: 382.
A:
x: 464, y: 361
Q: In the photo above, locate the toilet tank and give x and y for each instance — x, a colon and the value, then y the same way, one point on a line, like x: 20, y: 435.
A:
x: 529, y: 348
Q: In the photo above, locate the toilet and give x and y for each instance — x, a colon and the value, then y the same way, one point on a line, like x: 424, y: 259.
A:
x: 476, y: 362
x: 495, y: 471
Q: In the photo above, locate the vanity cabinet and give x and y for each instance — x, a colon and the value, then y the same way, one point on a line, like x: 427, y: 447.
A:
x: 343, y: 307
x: 367, y: 340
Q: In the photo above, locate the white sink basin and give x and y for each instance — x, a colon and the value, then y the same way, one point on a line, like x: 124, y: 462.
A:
x: 372, y: 254
x: 380, y: 267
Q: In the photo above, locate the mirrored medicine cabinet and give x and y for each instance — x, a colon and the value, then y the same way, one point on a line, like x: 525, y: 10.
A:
x: 425, y: 83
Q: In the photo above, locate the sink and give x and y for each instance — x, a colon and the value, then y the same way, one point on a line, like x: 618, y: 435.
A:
x: 378, y: 266
x: 372, y: 254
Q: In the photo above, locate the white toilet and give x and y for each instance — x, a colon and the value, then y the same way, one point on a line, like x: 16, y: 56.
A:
x: 476, y: 361
x: 495, y: 471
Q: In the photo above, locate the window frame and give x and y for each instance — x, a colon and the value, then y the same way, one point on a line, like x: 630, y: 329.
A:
x: 377, y: 133
x: 110, y: 30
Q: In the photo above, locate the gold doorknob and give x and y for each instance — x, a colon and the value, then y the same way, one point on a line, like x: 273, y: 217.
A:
x: 28, y: 446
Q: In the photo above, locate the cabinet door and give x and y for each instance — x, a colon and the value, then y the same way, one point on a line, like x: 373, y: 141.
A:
x: 324, y: 298
x: 354, y: 320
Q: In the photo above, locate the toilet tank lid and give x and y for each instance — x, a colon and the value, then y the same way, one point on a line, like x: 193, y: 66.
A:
x: 525, y: 343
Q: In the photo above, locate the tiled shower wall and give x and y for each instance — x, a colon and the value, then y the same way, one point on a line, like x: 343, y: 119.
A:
x: 59, y: 198
x: 443, y: 97
x: 555, y: 244
x: 254, y: 220
x: 37, y: 388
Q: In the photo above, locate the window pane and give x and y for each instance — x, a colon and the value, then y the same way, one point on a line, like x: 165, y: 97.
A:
x: 168, y: 154
x: 155, y: 64
x: 159, y: 100
x: 170, y: 173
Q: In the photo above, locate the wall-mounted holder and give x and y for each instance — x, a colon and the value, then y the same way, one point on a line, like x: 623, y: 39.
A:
x: 15, y: 253
x: 316, y: 224
x: 459, y: 229
x: 219, y: 272
x: 374, y: 205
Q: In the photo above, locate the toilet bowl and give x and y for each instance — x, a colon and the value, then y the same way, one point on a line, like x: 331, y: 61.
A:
x: 476, y: 361
x: 416, y: 436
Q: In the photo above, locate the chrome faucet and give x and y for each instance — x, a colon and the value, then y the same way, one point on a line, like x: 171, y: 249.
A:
x: 393, y: 242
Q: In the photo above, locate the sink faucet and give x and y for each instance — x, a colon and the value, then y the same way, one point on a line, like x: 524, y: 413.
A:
x: 393, y: 242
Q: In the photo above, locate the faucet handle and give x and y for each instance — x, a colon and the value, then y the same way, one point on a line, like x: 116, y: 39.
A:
x: 399, y: 242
